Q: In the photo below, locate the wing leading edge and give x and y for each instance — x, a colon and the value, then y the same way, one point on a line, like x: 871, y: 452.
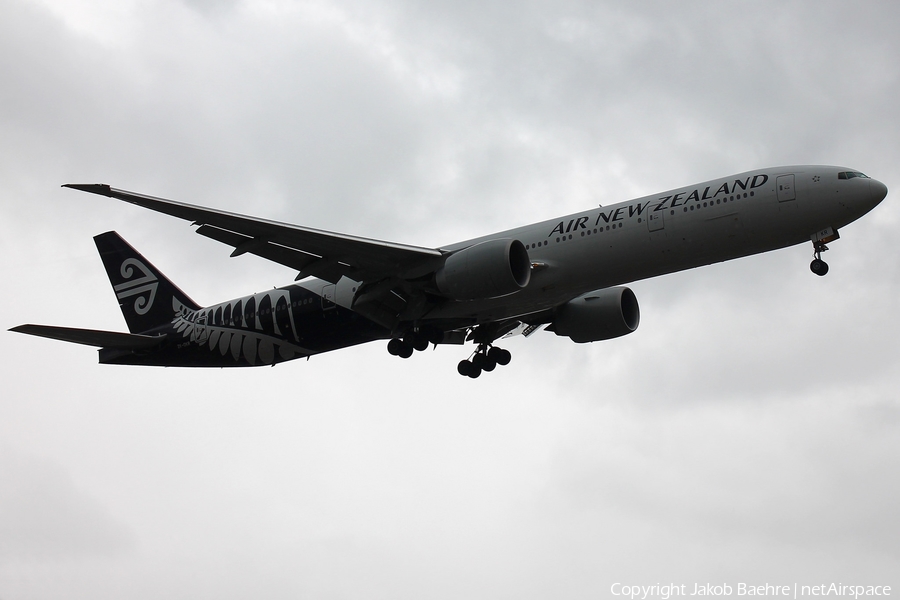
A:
x: 312, y: 252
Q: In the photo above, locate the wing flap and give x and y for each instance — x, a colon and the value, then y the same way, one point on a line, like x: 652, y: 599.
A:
x: 93, y: 337
x: 304, y: 262
x: 289, y: 257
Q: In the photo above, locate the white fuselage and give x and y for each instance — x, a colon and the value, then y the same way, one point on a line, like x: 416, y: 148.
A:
x: 671, y: 231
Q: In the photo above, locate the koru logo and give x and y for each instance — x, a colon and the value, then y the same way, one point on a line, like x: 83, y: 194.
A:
x: 144, y: 286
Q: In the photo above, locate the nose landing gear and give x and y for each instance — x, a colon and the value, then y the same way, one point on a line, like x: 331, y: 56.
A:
x: 818, y: 266
x: 486, y: 358
x: 819, y: 239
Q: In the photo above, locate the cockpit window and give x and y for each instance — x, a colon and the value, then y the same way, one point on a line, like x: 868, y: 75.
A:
x: 851, y: 175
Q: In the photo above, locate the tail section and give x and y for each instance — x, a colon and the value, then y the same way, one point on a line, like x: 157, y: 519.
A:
x: 147, y: 298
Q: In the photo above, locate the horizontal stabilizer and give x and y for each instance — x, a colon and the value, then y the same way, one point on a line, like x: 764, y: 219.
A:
x: 93, y: 337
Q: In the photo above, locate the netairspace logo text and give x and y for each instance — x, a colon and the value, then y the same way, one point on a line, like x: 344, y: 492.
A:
x: 674, y: 590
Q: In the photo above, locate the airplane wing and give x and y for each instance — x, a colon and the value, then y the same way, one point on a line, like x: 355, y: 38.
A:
x: 93, y: 337
x: 312, y: 252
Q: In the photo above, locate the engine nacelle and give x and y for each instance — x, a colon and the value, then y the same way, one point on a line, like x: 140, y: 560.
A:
x: 598, y: 315
x: 486, y: 270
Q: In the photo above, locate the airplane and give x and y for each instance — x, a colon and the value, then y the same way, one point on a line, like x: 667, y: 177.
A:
x: 566, y: 275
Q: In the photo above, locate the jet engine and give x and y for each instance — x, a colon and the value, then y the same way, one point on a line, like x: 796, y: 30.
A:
x: 599, y: 315
x: 486, y: 270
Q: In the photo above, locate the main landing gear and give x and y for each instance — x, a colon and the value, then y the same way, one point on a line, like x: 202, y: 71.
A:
x: 486, y: 358
x: 414, y: 341
x: 818, y: 266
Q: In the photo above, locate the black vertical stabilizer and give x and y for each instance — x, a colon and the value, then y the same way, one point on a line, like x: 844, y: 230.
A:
x: 147, y: 298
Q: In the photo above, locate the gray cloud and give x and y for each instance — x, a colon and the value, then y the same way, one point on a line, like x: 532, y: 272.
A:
x: 45, y: 516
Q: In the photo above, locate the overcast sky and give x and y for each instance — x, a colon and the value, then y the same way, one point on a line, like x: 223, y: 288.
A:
x: 749, y: 431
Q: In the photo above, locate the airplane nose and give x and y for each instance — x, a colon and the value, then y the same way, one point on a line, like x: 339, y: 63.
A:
x: 877, y: 190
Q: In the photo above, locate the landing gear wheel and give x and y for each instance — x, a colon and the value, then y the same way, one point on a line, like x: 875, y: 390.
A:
x: 394, y: 347
x: 485, y: 359
x: 420, y: 343
x: 500, y: 356
x: 472, y: 370
x: 406, y: 350
x: 819, y: 267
